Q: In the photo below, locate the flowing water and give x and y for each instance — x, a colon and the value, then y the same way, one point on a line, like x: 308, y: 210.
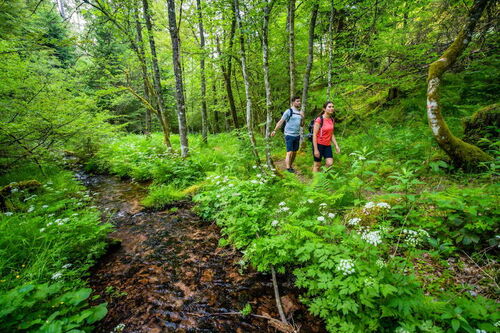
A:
x: 169, y: 275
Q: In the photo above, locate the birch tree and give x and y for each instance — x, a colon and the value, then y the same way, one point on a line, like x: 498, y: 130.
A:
x: 265, y: 63
x: 179, y: 89
x: 249, y: 116
x: 291, y: 46
x: 204, y: 117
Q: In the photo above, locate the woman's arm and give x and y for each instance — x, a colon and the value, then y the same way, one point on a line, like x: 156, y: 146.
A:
x: 315, y: 139
x: 334, y: 141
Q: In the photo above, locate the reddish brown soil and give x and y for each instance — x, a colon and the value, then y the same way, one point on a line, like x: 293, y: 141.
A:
x: 169, y: 275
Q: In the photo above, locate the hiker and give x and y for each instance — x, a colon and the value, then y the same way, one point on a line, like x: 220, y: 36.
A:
x: 323, y: 137
x: 293, y: 119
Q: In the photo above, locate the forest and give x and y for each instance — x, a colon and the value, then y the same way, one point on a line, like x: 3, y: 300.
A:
x: 154, y: 176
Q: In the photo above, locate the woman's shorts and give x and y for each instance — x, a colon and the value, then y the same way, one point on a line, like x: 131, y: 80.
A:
x: 324, y: 152
x: 292, y: 142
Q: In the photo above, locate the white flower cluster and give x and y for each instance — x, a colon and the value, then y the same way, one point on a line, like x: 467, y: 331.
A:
x: 56, y: 276
x: 346, y: 266
x: 321, y: 218
x: 380, y: 263
x: 58, y: 222
x: 372, y: 237
x: 480, y: 331
x: 283, y: 207
x: 401, y: 330
x: 414, y: 237
x: 354, y: 221
x: 369, y: 281
x: 8, y: 213
x: 274, y: 223
x: 370, y: 205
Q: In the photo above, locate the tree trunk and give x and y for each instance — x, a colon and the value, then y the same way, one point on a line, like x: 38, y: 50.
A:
x: 179, y: 90
x: 265, y: 56
x: 156, y: 75
x: 204, y: 123
x: 330, y: 52
x: 463, y: 154
x: 291, y: 46
x: 144, y: 72
x: 214, y: 104
x: 307, y: 74
x: 226, y: 73
x: 249, y: 116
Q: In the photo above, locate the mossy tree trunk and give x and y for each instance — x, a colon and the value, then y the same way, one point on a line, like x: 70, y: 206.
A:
x: 463, y: 154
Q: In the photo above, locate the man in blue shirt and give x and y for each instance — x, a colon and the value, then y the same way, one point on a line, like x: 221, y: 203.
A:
x: 293, y: 119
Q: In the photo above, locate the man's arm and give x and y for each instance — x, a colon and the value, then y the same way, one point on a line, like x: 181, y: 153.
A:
x: 278, y: 125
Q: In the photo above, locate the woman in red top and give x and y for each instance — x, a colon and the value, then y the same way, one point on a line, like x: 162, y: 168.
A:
x: 323, y: 136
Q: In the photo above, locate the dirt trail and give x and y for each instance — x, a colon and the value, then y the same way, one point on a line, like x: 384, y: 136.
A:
x: 169, y: 275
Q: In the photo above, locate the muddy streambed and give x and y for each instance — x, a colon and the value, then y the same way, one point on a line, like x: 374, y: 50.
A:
x: 169, y: 275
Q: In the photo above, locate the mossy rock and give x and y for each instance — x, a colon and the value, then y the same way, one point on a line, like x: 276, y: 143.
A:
x: 483, y: 124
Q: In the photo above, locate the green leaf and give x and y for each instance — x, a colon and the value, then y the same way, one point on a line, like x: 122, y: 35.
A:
x: 99, y: 312
x: 455, y: 324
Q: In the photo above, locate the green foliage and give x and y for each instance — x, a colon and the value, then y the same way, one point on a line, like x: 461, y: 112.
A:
x: 56, y: 227
x: 466, y: 216
x: 48, y: 234
x: 161, y: 195
x: 48, y: 308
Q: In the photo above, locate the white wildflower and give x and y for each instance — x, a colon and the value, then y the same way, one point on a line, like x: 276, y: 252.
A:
x: 119, y: 328
x: 45, y: 206
x: 480, y: 331
x: 384, y: 205
x: 369, y: 205
x: 42, y: 229
x: 323, y: 204
x: 259, y: 175
x: 14, y: 190
x: 56, y: 276
x: 372, y: 237
x: 354, y: 221
x: 310, y: 201
x: 32, y: 208
x: 255, y: 167
x: 231, y: 185
x: 321, y: 218
x: 401, y: 330
x: 285, y: 209
x: 253, y: 181
x: 274, y: 223
x: 67, y: 266
x: 8, y: 213
x: 282, y: 203
x: 380, y: 263
x: 346, y: 266
x: 331, y: 215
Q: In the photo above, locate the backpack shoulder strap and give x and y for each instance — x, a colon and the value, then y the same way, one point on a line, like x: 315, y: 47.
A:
x: 289, y: 115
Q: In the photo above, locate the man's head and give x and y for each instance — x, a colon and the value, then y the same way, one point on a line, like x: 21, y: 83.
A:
x: 295, y: 102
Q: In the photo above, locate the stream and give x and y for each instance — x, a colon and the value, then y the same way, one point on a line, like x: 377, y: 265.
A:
x: 169, y: 275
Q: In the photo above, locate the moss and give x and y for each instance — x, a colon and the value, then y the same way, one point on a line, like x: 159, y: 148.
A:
x: 482, y: 124
x: 22, y: 185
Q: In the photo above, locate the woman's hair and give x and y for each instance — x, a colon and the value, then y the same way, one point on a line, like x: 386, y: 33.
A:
x: 326, y: 104
x: 323, y: 109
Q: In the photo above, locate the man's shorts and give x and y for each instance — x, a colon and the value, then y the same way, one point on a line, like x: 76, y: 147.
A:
x: 292, y: 142
x: 324, y: 152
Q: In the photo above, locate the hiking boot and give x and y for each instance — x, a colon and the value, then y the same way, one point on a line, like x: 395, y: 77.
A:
x: 291, y: 170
